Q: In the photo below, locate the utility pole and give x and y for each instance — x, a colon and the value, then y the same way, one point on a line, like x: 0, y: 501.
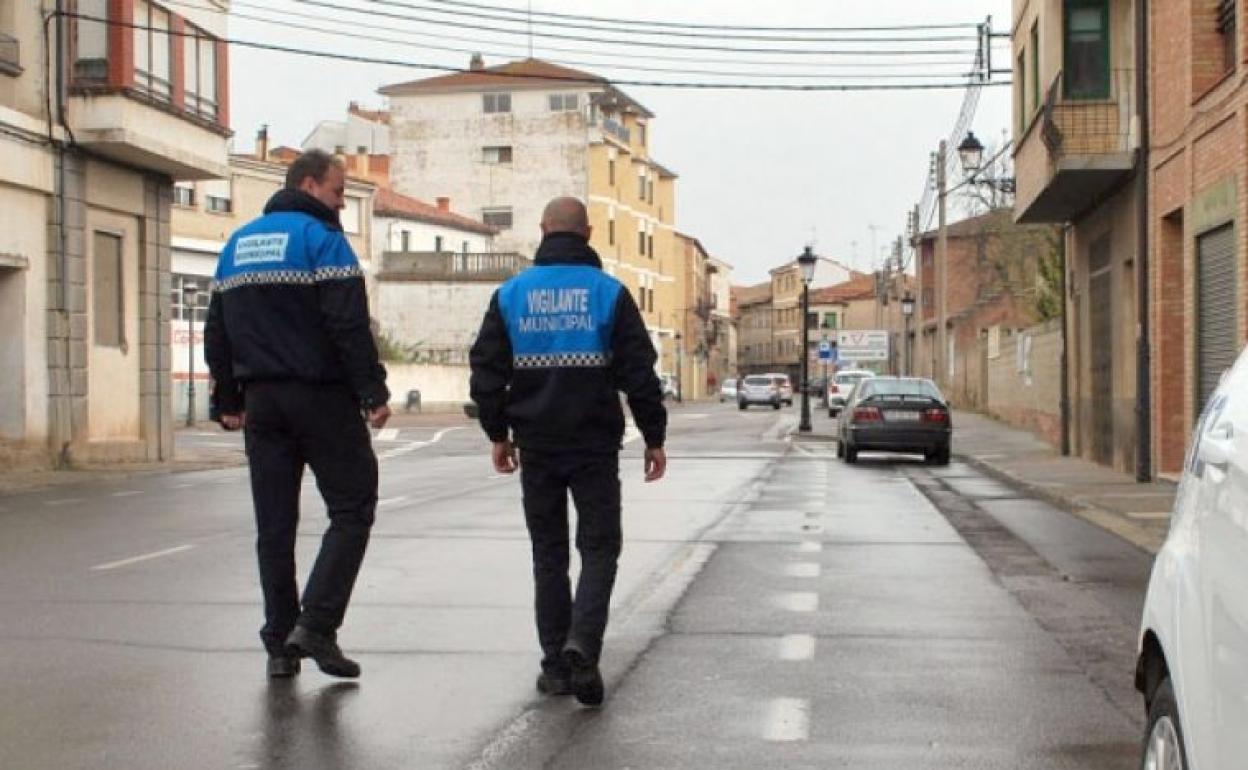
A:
x: 942, y: 269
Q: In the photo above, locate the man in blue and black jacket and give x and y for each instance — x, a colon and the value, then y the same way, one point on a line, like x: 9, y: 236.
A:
x: 558, y: 344
x: 294, y: 364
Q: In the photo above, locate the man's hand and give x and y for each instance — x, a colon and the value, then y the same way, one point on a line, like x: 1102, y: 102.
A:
x: 234, y: 421
x: 656, y: 463
x: 377, y: 417
x: 503, y: 453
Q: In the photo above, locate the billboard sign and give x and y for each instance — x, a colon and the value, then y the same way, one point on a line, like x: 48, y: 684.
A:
x: 869, y: 345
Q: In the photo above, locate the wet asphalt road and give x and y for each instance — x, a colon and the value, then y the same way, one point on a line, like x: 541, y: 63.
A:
x: 774, y: 606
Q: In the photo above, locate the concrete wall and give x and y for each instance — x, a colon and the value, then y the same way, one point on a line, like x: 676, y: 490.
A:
x: 432, y: 315
x: 440, y: 386
x: 1024, y: 380
x: 437, y: 144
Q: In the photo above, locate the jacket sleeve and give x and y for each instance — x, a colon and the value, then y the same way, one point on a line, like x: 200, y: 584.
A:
x: 226, y: 396
x: 490, y: 358
x: 343, y: 301
x: 632, y: 371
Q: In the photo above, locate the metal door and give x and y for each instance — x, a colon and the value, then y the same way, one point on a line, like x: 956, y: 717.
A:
x: 1216, y: 309
x: 1101, y: 349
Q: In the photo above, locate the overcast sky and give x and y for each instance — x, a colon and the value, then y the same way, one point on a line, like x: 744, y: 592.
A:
x: 761, y: 174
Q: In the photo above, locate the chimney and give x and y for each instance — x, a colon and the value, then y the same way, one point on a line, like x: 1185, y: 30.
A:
x: 476, y: 63
x: 444, y: 204
x: 262, y: 142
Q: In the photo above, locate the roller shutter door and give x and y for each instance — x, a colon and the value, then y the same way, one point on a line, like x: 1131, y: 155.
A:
x: 1216, y: 343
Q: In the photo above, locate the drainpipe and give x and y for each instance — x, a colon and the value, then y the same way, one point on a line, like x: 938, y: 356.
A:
x: 1143, y: 398
x: 1064, y: 397
x: 62, y: 206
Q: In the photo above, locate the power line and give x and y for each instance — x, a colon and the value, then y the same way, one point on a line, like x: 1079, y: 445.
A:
x: 287, y: 24
x: 624, y: 41
x: 686, y: 25
x: 615, y: 27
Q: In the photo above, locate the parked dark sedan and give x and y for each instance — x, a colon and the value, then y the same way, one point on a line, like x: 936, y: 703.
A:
x: 895, y: 414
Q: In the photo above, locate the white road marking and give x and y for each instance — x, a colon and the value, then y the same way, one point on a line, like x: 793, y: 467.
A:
x: 810, y: 546
x: 631, y: 434
x: 128, y: 493
x: 414, y: 445
x: 391, y: 501
x: 64, y: 501
x: 798, y: 601
x: 144, y: 557
x: 698, y: 416
x: 803, y: 569
x: 797, y: 647
x: 386, y: 434
x: 788, y: 720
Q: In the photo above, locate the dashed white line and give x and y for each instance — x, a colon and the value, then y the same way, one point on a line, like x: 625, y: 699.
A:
x: 391, y: 501
x: 798, y: 601
x: 64, y: 501
x: 144, y: 557
x: 386, y: 434
x: 797, y: 647
x: 128, y: 493
x: 788, y: 720
x: 803, y: 569
x: 810, y: 546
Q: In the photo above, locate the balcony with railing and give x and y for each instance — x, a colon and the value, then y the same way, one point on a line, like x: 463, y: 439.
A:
x: 1078, y: 148
x: 446, y: 266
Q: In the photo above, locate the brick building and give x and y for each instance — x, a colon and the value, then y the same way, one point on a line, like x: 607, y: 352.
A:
x: 1198, y: 171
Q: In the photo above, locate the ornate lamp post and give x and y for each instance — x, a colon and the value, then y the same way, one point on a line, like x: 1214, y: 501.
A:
x: 190, y: 301
x: 807, y: 263
x: 907, y: 310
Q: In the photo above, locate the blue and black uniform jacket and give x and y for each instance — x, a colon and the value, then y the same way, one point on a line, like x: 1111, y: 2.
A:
x: 289, y: 303
x: 559, y: 342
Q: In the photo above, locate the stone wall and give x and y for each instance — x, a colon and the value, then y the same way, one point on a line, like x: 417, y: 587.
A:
x: 1024, y: 380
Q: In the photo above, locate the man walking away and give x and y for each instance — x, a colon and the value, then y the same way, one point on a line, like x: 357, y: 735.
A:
x: 294, y: 364
x: 558, y: 344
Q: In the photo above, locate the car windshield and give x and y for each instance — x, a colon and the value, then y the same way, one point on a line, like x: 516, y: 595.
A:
x: 907, y: 388
x: 757, y: 380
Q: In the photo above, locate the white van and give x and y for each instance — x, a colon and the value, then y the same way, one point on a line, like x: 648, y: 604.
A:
x: 1193, y: 662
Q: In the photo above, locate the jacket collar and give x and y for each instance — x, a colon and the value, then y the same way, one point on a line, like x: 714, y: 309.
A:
x: 300, y: 202
x: 566, y: 249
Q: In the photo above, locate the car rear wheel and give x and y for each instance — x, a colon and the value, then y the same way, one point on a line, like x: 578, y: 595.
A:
x: 742, y: 405
x: 840, y: 448
x: 938, y: 456
x: 775, y: 405
x: 851, y: 454
x: 1163, y: 741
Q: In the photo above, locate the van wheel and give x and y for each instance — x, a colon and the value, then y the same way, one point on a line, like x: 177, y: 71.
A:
x: 1163, y: 740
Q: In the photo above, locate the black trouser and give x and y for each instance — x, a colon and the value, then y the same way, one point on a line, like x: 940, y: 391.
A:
x: 291, y: 424
x: 594, y: 481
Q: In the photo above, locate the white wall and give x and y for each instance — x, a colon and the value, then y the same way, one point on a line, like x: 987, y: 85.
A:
x: 433, y: 314
x: 350, y: 135
x: 437, y: 384
x: 437, y: 152
x: 422, y: 236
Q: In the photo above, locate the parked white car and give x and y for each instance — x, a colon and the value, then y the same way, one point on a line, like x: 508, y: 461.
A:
x: 1193, y: 664
x: 728, y: 390
x: 840, y: 385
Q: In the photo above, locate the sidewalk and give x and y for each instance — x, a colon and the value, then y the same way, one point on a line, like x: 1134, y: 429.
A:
x: 1115, y: 501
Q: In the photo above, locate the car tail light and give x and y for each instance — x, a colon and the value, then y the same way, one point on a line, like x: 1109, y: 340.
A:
x: 935, y: 415
x: 867, y: 414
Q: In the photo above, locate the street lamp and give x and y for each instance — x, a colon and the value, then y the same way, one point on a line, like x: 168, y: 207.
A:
x: 807, y: 263
x: 190, y: 299
x: 971, y: 154
x: 907, y: 310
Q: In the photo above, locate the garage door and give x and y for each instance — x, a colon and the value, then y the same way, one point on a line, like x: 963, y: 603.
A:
x: 1216, y: 342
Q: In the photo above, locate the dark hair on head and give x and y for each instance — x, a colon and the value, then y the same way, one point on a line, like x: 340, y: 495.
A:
x: 313, y: 163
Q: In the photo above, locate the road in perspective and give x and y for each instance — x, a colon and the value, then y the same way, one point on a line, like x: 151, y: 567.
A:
x: 774, y: 606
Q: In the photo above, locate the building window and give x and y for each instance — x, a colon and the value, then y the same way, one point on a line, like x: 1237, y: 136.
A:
x: 200, y: 57
x: 493, y: 103
x: 611, y: 172
x: 641, y: 297
x: 217, y: 197
x: 107, y: 292
x: 437, y: 243
x: 499, y: 154
x: 650, y: 293
x: 641, y: 242
x: 1020, y: 94
x: 641, y: 134
x: 564, y: 103
x: 650, y: 245
x: 178, y: 310
x: 153, y: 48
x: 497, y: 217
x: 1226, y: 30
x: 351, y: 215
x: 641, y: 185
x: 405, y: 241
x: 650, y: 190
x: 184, y: 194
x: 91, y: 41
x: 1035, y: 66
x: 1087, y: 49
x: 610, y: 232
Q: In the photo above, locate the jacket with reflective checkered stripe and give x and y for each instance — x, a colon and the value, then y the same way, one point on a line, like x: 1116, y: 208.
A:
x: 558, y: 344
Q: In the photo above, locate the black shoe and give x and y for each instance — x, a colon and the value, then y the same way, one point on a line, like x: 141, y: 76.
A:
x: 554, y: 683
x: 324, y: 650
x: 585, y: 679
x: 283, y: 666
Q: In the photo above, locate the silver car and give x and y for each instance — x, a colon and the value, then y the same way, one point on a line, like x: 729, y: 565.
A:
x: 758, y: 389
